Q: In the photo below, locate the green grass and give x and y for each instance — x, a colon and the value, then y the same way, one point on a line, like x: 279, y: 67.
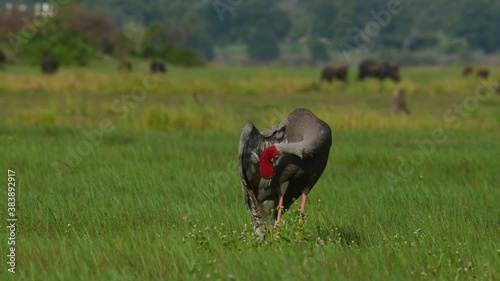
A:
x: 158, y: 197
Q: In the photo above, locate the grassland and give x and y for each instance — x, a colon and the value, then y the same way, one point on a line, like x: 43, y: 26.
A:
x: 155, y: 194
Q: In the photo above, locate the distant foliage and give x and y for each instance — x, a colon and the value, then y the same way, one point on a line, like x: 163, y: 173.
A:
x: 73, y: 37
x: 263, y: 46
x: 318, y: 50
x: 261, y: 25
x: 157, y: 45
x: 424, y: 42
x: 203, y: 47
x: 480, y: 28
x: 59, y: 42
x: 410, y: 26
x: 174, y: 55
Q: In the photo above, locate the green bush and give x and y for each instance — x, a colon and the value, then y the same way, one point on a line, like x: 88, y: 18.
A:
x: 157, y: 45
x: 174, y: 55
x: 56, y: 41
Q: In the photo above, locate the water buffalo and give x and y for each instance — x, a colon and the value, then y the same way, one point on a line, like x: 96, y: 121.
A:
x: 467, y: 71
x: 483, y: 73
x: 379, y: 69
x: 49, y: 65
x: 157, y: 66
x: 331, y: 73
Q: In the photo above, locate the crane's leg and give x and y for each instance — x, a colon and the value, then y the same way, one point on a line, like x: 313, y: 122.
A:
x: 303, y: 203
x: 283, y: 188
x: 280, y: 209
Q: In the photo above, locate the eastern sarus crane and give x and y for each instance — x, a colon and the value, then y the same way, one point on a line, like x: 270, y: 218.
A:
x: 282, y: 164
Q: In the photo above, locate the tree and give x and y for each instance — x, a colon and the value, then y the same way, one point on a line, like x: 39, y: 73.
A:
x: 477, y: 24
x: 158, y: 45
x: 324, y: 13
x: 318, y: 50
x: 263, y: 45
x: 261, y: 25
x: 59, y: 40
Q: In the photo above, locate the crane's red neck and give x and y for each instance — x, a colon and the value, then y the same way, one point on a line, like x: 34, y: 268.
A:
x: 266, y: 166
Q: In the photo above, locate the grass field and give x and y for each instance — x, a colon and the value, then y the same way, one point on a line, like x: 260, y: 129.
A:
x: 112, y: 187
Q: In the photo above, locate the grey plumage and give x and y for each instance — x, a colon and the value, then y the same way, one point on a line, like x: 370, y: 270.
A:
x: 303, y: 142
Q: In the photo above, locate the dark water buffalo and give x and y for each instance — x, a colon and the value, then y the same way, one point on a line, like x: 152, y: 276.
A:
x: 50, y: 65
x: 331, y: 73
x: 379, y: 69
x: 467, y: 71
x: 483, y: 73
x: 158, y: 66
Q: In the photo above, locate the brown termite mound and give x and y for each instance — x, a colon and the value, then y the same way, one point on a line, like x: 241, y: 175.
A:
x: 399, y: 102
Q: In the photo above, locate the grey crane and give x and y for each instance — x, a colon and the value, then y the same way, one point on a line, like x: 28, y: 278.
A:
x: 281, y: 164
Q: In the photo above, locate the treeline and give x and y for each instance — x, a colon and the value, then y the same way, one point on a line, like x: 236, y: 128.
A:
x: 156, y: 27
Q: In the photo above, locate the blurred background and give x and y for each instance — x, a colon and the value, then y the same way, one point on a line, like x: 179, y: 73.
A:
x: 243, y: 32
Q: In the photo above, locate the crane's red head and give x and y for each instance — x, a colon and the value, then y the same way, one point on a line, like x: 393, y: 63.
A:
x: 266, y: 165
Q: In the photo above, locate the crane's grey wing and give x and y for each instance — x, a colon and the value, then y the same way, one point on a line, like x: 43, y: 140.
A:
x: 250, y: 142
x: 276, y: 133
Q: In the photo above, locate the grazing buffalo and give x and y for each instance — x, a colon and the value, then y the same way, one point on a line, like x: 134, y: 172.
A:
x: 158, y: 66
x: 399, y: 102
x: 379, y: 69
x: 467, y: 71
x: 125, y: 65
x: 331, y: 73
x: 50, y: 65
x: 483, y: 73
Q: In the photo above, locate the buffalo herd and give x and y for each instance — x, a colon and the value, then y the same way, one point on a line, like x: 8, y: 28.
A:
x: 50, y: 65
x: 368, y: 68
x: 379, y: 69
x: 481, y: 72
